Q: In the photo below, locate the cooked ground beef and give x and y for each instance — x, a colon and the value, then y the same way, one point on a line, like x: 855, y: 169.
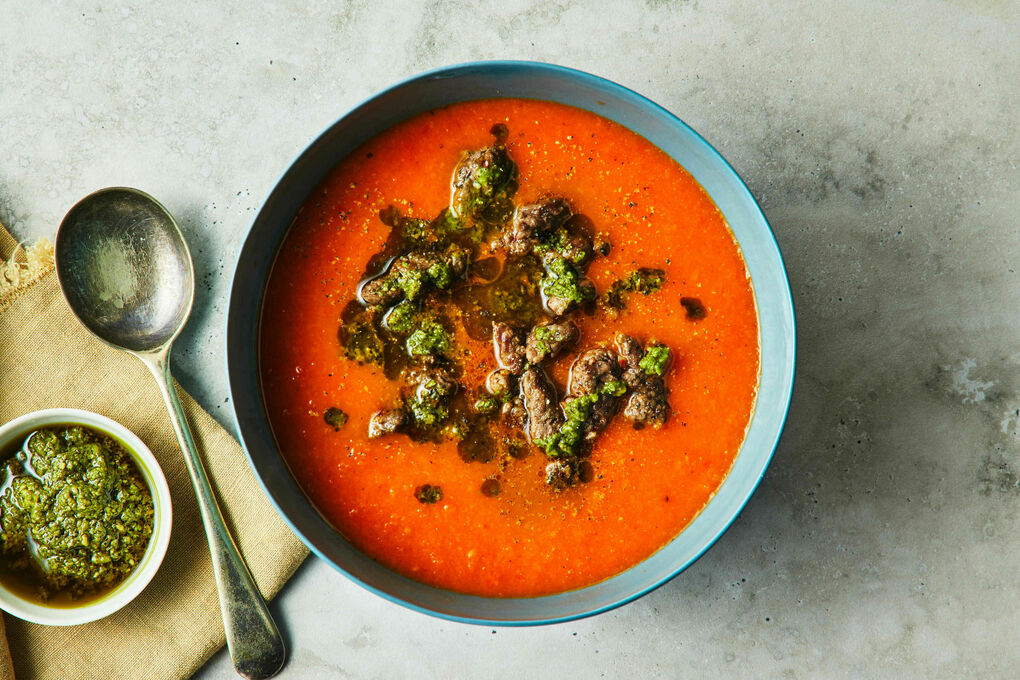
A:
x: 386, y: 421
x: 600, y: 414
x: 593, y: 370
x: 430, y: 370
x: 631, y: 352
x: 575, y: 247
x: 532, y: 221
x: 500, y: 383
x: 414, y: 274
x: 544, y: 415
x: 381, y: 292
x: 515, y: 413
x: 508, y: 347
x: 561, y: 305
x: 547, y: 340
x: 482, y: 177
x: 649, y: 404
x: 560, y: 474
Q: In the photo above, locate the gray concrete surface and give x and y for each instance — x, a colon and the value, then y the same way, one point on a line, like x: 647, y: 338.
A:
x: 880, y: 139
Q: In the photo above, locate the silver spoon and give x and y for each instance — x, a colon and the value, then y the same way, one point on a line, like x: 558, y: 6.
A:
x: 127, y: 273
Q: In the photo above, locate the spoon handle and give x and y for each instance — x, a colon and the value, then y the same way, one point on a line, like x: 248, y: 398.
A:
x: 256, y: 646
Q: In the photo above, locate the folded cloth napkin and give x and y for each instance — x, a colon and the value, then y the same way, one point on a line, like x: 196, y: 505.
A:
x: 48, y: 359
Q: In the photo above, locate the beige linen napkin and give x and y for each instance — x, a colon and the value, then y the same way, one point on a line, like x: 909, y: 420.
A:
x: 47, y: 359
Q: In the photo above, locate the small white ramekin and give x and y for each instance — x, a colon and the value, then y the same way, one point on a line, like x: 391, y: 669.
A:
x: 129, y: 588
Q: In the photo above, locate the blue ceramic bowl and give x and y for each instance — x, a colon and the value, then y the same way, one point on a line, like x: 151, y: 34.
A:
x: 553, y: 83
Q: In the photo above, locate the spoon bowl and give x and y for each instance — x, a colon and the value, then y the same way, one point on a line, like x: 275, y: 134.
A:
x: 125, y: 269
x: 126, y: 272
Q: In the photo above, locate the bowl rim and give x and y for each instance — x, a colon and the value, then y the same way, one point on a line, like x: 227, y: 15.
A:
x: 151, y: 560
x: 784, y: 379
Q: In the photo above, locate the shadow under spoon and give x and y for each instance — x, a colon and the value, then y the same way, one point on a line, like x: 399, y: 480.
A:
x: 127, y: 274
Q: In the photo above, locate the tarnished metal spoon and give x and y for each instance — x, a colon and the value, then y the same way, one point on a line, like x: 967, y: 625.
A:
x: 126, y: 271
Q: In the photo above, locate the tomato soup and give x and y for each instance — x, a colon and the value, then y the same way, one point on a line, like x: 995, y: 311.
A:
x: 645, y: 484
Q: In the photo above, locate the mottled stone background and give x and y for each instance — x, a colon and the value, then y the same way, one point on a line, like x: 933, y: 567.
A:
x: 880, y: 139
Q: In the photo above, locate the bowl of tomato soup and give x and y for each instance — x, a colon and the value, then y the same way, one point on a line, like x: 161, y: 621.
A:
x: 510, y: 344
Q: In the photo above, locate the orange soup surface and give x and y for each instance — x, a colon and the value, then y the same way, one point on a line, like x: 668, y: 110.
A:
x: 528, y: 539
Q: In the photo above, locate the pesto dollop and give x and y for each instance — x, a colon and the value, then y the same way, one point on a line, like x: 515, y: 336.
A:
x: 562, y: 280
x: 655, y: 360
x: 568, y: 440
x: 75, y: 514
x: 644, y: 280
